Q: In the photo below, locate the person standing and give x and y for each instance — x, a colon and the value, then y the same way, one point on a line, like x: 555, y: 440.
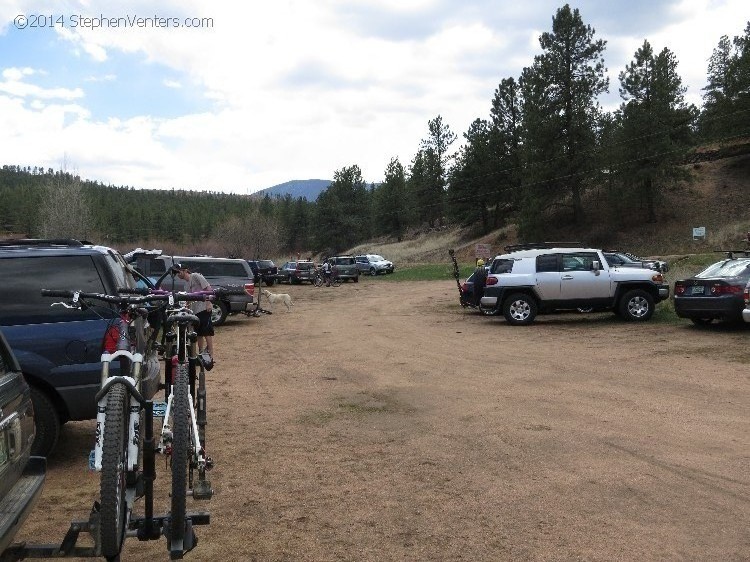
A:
x: 327, y: 272
x: 194, y: 282
x: 480, y: 280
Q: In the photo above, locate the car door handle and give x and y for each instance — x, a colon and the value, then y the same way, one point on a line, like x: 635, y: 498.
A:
x: 567, y: 277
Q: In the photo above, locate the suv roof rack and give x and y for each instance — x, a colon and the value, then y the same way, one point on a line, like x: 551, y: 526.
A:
x: 542, y: 246
x: 43, y: 242
x: 731, y: 254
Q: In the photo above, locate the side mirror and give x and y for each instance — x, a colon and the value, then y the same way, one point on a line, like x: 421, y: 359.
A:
x: 596, y: 266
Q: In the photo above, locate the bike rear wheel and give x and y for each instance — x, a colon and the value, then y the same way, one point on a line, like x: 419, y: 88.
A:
x: 318, y: 282
x: 180, y: 456
x: 335, y: 282
x: 113, y: 510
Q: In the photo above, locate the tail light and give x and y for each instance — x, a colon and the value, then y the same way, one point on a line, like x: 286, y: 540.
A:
x: 111, y: 337
x: 726, y: 289
x: 746, y: 295
x: 679, y: 289
x: 464, y: 287
x: 491, y: 280
x: 250, y: 288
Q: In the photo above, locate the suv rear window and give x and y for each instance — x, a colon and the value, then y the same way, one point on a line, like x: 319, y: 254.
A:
x: 502, y: 266
x: 218, y: 268
x: 305, y: 265
x: 343, y: 261
x: 25, y: 277
x: 265, y: 263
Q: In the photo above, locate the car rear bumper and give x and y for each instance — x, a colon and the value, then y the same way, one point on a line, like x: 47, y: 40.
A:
x: 20, y: 499
x: 727, y: 308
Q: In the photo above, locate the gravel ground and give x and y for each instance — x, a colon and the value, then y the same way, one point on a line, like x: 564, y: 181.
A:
x: 380, y: 421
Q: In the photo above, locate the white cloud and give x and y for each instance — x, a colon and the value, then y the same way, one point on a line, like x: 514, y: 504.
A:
x: 300, y: 89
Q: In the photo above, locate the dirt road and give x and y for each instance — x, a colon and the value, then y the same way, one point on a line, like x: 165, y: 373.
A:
x: 380, y: 421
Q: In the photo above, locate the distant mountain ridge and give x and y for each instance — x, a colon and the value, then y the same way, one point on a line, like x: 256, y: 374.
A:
x: 307, y: 189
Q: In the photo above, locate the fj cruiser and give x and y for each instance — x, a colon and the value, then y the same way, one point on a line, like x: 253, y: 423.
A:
x: 219, y: 272
x: 534, y: 278
x: 59, y: 349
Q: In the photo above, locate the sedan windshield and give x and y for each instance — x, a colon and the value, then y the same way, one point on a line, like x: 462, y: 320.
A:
x: 728, y: 268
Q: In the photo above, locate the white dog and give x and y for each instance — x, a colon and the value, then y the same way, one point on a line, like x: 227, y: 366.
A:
x: 273, y: 298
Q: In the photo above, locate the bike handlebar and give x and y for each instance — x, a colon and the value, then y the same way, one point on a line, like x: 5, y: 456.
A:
x: 133, y: 298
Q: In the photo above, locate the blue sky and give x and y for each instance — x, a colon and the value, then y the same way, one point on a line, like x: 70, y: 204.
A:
x: 260, y: 93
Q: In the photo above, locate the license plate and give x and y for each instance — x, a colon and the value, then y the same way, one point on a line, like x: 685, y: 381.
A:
x: 698, y: 290
x: 160, y: 408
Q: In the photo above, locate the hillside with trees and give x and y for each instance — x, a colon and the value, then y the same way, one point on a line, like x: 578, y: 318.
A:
x: 546, y: 161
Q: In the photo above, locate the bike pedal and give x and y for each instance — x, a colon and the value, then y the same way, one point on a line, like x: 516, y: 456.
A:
x: 202, y: 490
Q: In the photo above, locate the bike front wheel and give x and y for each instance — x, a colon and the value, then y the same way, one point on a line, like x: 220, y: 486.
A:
x: 335, y: 282
x: 113, y: 510
x: 318, y: 282
x: 180, y: 457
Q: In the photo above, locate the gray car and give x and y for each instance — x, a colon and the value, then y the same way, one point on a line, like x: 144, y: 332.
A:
x: 21, y: 475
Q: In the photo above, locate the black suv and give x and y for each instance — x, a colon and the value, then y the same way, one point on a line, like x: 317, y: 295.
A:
x: 21, y: 475
x: 264, y: 270
x: 59, y: 349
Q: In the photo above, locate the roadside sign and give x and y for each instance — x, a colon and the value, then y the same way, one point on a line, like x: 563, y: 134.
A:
x: 699, y: 233
x: 483, y: 251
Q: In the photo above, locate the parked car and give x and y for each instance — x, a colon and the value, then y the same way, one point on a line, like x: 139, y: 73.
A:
x: 284, y: 273
x: 223, y: 273
x: 294, y: 272
x: 625, y: 259
x: 539, y: 278
x: 21, y: 475
x: 345, y: 268
x: 264, y: 270
x: 716, y: 293
x: 58, y: 348
x: 373, y: 264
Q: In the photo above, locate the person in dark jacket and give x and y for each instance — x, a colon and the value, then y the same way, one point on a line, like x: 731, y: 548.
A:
x: 480, y: 280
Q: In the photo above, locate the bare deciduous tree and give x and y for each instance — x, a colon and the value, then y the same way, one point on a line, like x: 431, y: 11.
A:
x: 65, y: 212
x: 252, y: 236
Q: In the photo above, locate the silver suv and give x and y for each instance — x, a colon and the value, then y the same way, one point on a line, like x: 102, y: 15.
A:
x: 525, y: 282
x: 345, y: 268
x: 373, y: 264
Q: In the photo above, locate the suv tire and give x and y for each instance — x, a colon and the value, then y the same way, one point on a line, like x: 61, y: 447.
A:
x: 636, y: 305
x: 373, y: 271
x: 219, y: 313
x: 268, y: 282
x: 519, y: 309
x: 47, y: 424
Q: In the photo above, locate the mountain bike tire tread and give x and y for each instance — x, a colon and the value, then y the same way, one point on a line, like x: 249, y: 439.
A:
x: 180, y: 457
x: 113, y: 478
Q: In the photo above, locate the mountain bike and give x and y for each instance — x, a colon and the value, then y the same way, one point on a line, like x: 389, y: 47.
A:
x: 183, y: 436
x: 122, y: 411
x: 319, y: 279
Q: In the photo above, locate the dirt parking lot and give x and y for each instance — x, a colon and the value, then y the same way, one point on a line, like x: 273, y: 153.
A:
x: 380, y: 421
